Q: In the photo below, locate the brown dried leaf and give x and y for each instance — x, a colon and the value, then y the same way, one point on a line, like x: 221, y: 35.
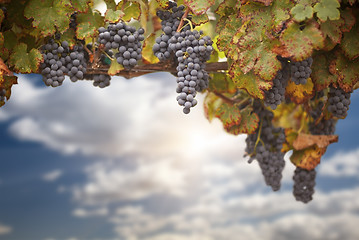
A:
x: 306, y: 140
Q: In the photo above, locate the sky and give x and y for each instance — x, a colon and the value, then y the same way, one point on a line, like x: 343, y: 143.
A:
x: 82, y: 163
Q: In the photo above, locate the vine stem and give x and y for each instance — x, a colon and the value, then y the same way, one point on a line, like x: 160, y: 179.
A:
x: 182, y: 20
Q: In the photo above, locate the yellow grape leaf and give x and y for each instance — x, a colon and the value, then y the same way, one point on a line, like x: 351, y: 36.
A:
x: 307, y: 158
x: 300, y: 93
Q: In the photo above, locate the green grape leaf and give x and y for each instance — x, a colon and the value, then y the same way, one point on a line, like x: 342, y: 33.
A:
x: 1, y: 15
x: 200, y: 19
x: 221, y: 83
x: 115, y: 68
x: 349, y: 19
x: 252, y: 83
x: 350, y: 42
x: 299, y: 44
x: 49, y: 16
x: 227, y: 28
x: 229, y: 114
x: 163, y: 3
x: 210, y: 105
x: 301, y: 12
x: 110, y: 4
x: 332, y: 30
x: 88, y: 23
x: 80, y: 5
x: 256, y: 53
x: 199, y: 7
x: 147, y: 54
x: 248, y: 124
x: 23, y: 61
x: 321, y: 75
x: 346, y: 70
x: 113, y: 16
x: 228, y: 7
x: 327, y: 9
x: 133, y: 11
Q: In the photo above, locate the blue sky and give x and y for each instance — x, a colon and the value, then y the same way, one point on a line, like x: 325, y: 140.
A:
x: 78, y: 162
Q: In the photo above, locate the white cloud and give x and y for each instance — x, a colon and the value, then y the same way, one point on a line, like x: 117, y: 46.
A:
x: 341, y: 164
x: 52, y: 176
x: 5, y: 229
x: 85, y: 213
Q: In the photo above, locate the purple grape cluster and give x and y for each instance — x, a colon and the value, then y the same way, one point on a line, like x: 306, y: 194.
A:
x: 56, y: 58
x: 76, y: 65
x: 192, y: 52
x: 304, y: 183
x: 324, y: 126
x: 300, y: 71
x: 170, y: 20
x: 338, y: 102
x: 276, y: 95
x: 126, y: 40
x: 101, y: 80
x: 268, y: 150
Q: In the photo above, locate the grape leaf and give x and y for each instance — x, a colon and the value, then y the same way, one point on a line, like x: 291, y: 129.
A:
x: 130, y: 9
x: 307, y: 158
x: 227, y: 7
x: 69, y: 36
x: 200, y: 19
x: 349, y: 19
x: 88, y: 23
x: 248, y: 124
x: 300, y: 93
x: 307, y: 140
x: 265, y: 2
x: 221, y: 83
x: 6, y: 83
x: 227, y: 28
x: 210, y: 105
x: 23, y: 61
x: 147, y: 54
x: 113, y: 16
x: 80, y: 5
x: 321, y: 75
x: 332, y: 29
x: 301, y: 12
x: 50, y: 15
x: 350, y: 42
x: 299, y: 44
x: 163, y: 3
x: 110, y: 4
x: 346, y: 70
x: 229, y: 114
x: 1, y: 15
x: 115, y: 68
x: 327, y: 9
x: 199, y: 6
x: 290, y: 136
x: 252, y: 83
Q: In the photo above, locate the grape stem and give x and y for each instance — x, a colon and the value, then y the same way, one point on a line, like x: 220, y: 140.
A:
x: 182, y: 20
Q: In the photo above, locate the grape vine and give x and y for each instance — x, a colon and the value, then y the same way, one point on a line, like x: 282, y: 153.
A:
x: 282, y: 75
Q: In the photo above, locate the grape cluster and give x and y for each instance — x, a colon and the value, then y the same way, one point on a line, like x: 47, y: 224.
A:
x: 101, y: 80
x: 300, y: 71
x: 126, y: 39
x: 2, y: 95
x: 275, y: 95
x: 76, y: 63
x: 170, y: 20
x: 192, y: 52
x: 267, y: 151
x: 55, y: 62
x: 59, y: 60
x: 324, y: 126
x: 304, y: 182
x: 338, y: 102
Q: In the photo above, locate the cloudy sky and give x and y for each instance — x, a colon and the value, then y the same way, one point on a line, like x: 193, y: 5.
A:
x: 82, y: 163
